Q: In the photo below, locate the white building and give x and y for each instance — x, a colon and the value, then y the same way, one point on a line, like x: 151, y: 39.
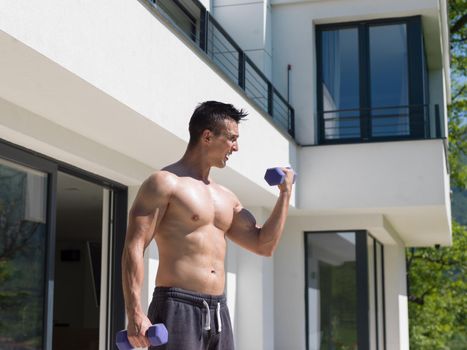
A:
x: 96, y: 95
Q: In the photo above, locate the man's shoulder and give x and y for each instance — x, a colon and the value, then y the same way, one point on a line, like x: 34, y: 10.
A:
x: 161, y: 180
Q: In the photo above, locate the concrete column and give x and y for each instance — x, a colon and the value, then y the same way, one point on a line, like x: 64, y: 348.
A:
x: 249, y: 24
x: 254, y: 315
x: 397, y: 316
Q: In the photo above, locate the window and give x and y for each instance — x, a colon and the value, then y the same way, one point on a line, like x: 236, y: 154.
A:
x: 371, y: 82
x: 344, y: 291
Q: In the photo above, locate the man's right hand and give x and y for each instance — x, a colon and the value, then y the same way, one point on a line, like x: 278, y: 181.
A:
x: 286, y: 186
x: 136, y: 330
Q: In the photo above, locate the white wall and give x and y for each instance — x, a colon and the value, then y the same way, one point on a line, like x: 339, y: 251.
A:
x: 289, y: 288
x: 397, y: 324
x: 39, y: 134
x: 391, y: 174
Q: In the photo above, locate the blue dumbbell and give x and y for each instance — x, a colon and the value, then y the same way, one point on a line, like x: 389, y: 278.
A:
x: 275, y: 176
x: 157, y: 335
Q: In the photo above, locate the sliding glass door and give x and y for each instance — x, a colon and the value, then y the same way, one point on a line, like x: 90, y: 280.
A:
x: 61, y: 238
x: 344, y: 291
x: 332, y: 291
x: 25, y: 232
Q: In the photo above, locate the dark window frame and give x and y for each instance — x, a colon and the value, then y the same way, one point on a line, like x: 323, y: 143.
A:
x: 418, y: 107
x: 362, y: 283
x: 115, y: 318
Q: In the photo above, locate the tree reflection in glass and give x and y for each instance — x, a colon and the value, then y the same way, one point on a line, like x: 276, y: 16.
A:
x: 22, y: 256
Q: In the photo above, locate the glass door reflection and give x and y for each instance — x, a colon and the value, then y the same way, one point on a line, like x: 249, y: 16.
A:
x: 332, y: 291
x: 23, y: 227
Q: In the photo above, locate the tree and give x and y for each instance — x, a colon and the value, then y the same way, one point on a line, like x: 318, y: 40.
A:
x: 436, y: 276
x: 457, y: 110
x: 438, y: 294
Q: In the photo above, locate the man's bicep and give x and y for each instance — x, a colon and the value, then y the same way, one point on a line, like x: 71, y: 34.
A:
x: 244, y: 229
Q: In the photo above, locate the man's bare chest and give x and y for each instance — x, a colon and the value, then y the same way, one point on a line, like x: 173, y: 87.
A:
x: 201, y: 205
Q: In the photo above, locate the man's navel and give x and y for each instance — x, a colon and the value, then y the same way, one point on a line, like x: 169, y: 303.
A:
x: 195, y: 217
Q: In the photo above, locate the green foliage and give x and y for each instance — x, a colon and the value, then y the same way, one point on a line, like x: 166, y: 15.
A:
x: 458, y: 144
x: 436, y: 277
x: 457, y: 109
x: 438, y: 295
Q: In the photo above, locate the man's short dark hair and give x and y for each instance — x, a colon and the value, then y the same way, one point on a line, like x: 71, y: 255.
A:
x: 209, y: 115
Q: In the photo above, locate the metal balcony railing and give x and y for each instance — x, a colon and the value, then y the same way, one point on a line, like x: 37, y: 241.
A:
x: 382, y: 123
x: 192, y: 19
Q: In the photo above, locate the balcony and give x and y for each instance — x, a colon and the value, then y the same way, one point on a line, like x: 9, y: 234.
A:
x: 409, y: 122
x: 407, y: 182
x: 192, y: 19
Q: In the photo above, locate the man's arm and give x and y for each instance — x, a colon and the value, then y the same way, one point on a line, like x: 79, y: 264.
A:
x: 145, y: 215
x: 262, y: 240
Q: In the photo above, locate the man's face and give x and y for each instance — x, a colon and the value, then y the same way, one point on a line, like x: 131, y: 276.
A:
x: 224, y: 144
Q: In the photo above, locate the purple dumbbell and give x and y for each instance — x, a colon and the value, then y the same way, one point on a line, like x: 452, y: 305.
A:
x: 275, y: 176
x: 157, y: 335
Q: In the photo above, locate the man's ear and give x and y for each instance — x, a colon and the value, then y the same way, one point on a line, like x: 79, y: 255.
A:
x: 206, y: 136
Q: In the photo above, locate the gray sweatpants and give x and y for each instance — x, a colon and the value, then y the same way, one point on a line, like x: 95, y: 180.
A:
x: 194, y: 321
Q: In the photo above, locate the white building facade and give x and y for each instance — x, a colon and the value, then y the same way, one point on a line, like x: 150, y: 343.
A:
x: 96, y: 95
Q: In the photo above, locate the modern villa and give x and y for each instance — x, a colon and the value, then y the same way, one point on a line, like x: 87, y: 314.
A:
x: 96, y: 95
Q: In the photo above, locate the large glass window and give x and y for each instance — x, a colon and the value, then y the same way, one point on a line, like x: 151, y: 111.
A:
x: 370, y: 81
x: 344, y: 291
x: 23, y: 200
x: 388, y: 80
x: 341, y: 98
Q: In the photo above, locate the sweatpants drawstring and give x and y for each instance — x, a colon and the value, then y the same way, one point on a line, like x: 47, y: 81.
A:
x: 219, y: 322
x: 207, y: 323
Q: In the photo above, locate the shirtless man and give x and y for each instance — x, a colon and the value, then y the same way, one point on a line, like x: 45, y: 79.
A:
x: 190, y: 216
